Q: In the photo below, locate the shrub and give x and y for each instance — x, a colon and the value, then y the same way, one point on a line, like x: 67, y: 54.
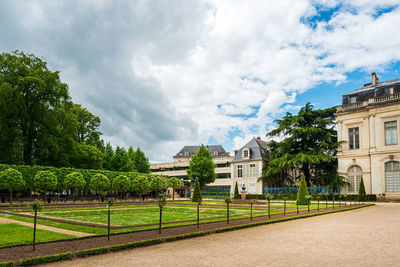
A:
x: 46, y: 259
x: 137, y: 244
x: 7, y: 264
x: 361, y: 192
x: 196, y: 192
x: 303, y: 192
x: 92, y: 251
x: 236, y: 193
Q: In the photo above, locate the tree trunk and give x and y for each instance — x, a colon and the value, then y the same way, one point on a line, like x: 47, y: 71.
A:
x: 34, y: 231
x: 306, y: 172
x: 173, y: 194
x: 45, y: 191
x: 10, y: 196
x: 121, y: 196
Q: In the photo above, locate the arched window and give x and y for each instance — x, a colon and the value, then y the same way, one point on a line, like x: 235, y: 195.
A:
x: 354, y: 176
x: 392, y: 176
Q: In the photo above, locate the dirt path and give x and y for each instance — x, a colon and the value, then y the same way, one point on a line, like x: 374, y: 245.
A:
x: 364, y: 237
x: 45, y: 227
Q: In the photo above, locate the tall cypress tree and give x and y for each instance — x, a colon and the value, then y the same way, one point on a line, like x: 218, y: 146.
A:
x: 361, y: 191
x: 236, y: 193
x: 196, y: 192
x: 303, y: 191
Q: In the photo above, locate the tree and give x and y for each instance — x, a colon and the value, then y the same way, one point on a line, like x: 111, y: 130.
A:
x: 236, y: 193
x: 45, y: 180
x: 202, y: 167
x: 196, y: 192
x: 309, y: 143
x: 157, y: 183
x: 140, y: 184
x: 122, y: 184
x: 11, y: 179
x: 74, y: 181
x: 361, y: 191
x: 99, y: 183
x: 141, y: 162
x: 36, y: 205
x: 88, y: 125
x: 175, y: 184
x: 303, y: 192
x: 29, y: 94
x: 109, y: 155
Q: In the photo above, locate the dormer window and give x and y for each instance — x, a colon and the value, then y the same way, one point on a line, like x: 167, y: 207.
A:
x: 246, y: 153
x: 215, y: 153
x: 353, y: 99
x: 186, y: 153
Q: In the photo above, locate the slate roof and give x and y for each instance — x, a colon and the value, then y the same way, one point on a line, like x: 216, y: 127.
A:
x: 193, y: 149
x: 258, y: 151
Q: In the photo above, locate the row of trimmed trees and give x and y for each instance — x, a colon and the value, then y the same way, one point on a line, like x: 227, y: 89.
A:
x: 11, y: 180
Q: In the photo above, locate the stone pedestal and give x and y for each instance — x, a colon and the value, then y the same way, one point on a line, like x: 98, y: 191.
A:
x: 243, y: 194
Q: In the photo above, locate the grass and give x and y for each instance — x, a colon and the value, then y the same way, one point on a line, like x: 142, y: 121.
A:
x: 12, y: 234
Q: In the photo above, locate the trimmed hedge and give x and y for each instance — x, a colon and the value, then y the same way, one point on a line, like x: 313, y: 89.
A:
x: 46, y: 259
x: 291, y: 196
x: 242, y: 226
x: 7, y: 264
x: 155, y: 241
x: 92, y: 251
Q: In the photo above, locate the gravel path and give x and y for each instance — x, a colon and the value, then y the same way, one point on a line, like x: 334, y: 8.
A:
x: 45, y: 227
x: 364, y: 237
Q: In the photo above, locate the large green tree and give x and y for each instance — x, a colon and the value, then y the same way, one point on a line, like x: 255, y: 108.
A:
x: 142, y: 163
x: 309, y: 142
x: 140, y: 184
x: 175, y: 184
x: 122, y: 184
x: 11, y: 179
x: 45, y: 180
x: 29, y: 95
x: 99, y: 183
x: 74, y: 181
x: 157, y: 183
x: 202, y: 167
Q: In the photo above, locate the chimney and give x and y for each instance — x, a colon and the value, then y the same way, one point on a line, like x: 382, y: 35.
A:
x: 235, y: 152
x: 259, y: 138
x: 374, y: 79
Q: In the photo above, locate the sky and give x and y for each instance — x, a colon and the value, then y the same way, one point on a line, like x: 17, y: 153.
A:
x: 167, y: 73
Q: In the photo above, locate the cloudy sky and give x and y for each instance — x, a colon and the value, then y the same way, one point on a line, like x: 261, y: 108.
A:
x: 163, y: 74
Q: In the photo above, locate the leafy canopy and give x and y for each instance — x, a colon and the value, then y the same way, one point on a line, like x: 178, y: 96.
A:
x: 202, y: 167
x: 140, y: 184
x: 157, y: 183
x: 99, y: 182
x: 45, y: 180
x: 196, y: 192
x: 122, y: 183
x: 174, y: 183
x: 11, y: 179
x: 74, y: 180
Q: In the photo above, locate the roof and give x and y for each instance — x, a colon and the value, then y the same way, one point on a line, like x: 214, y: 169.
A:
x: 188, y: 151
x: 258, y: 151
x: 373, y: 87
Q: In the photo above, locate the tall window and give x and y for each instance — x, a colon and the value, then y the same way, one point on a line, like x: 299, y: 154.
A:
x: 354, y: 138
x: 252, y: 170
x: 392, y: 176
x: 354, y: 176
x: 391, y: 133
x: 240, y: 171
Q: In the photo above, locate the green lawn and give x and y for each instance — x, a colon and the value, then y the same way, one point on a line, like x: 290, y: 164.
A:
x: 138, y: 216
x: 13, y: 234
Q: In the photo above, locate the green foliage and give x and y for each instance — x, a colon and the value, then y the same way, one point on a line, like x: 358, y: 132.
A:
x: 11, y: 180
x: 7, y: 264
x: 174, y: 183
x: 74, y: 180
x: 236, y: 194
x: 122, y: 183
x: 196, y: 192
x: 141, y: 162
x: 140, y: 184
x: 92, y: 251
x: 157, y: 183
x: 310, y: 143
x: 228, y: 200
x: 269, y: 196
x: 99, y: 182
x: 303, y: 191
x: 110, y: 201
x: 202, y: 167
x: 36, y: 205
x: 46, y: 259
x: 361, y: 191
x: 45, y: 180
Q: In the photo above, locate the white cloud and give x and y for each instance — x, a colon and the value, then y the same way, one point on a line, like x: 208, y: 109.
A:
x: 162, y: 74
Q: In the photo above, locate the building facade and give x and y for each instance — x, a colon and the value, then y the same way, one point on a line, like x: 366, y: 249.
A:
x: 368, y: 123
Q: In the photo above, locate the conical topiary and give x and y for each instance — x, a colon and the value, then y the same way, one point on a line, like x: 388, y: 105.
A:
x: 236, y: 193
x: 361, y: 191
x: 196, y: 192
x: 303, y: 192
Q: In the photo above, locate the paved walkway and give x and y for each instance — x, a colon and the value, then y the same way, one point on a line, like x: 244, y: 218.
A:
x: 364, y: 237
x: 45, y: 227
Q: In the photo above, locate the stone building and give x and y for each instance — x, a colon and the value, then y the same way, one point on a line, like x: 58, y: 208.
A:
x: 368, y: 122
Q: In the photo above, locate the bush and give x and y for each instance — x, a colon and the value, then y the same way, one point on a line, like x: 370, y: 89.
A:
x: 236, y: 192
x: 46, y: 259
x: 7, y: 264
x: 92, y: 251
x: 303, y: 192
x: 184, y: 236
x: 361, y: 192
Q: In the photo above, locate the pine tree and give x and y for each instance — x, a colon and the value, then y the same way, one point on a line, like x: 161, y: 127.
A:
x: 361, y: 191
x: 236, y: 193
x: 303, y: 191
x: 142, y: 163
x: 196, y: 192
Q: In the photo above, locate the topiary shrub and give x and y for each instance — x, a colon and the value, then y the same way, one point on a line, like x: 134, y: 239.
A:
x: 361, y: 192
x: 303, y: 192
x: 196, y: 192
x: 236, y: 192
